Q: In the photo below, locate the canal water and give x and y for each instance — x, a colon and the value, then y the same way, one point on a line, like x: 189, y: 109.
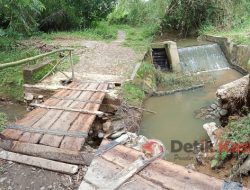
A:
x: 175, y: 121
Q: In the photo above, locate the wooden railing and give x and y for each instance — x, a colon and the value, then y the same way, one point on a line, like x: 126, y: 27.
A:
x: 38, y: 57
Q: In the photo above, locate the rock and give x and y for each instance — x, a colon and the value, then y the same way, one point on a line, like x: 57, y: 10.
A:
x: 210, y: 128
x: 42, y: 188
x: 40, y: 97
x: 100, y: 135
x: 245, y: 167
x: 223, y: 112
x: 191, y: 167
x: 214, y: 106
x: 107, y: 126
x: 2, y: 179
x: 28, y: 97
x: 10, y: 188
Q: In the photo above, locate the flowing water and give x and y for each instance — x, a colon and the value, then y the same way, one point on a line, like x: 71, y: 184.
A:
x: 202, y: 58
x: 175, y: 118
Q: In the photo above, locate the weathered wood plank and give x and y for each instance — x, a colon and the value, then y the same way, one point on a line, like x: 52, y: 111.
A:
x: 47, y: 152
x: 47, y: 120
x: 83, y: 122
x: 169, y: 175
x: 34, y: 116
x: 66, y: 119
x: 101, y: 171
x: 39, y: 162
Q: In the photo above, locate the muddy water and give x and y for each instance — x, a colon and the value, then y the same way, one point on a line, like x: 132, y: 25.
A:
x: 175, y: 115
x: 14, y: 111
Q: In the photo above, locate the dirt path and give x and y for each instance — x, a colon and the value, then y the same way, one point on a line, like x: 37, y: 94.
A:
x: 100, y: 61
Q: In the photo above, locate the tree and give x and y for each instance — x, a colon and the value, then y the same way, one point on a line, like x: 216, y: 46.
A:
x: 19, y: 16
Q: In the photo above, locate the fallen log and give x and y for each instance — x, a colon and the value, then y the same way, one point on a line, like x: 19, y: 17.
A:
x: 233, y: 96
x: 39, y: 162
x: 47, y: 152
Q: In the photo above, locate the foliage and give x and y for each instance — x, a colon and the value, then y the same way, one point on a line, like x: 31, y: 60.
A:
x: 145, y: 70
x: 3, y: 121
x: 132, y: 93
x: 11, y: 79
x: 238, y: 131
x: 173, y: 81
x: 77, y: 14
x: 19, y: 16
x: 188, y: 16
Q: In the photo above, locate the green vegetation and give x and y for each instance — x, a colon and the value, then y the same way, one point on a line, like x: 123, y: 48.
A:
x: 235, y: 141
x: 3, y: 121
x: 173, y: 81
x: 11, y: 79
x: 132, y: 93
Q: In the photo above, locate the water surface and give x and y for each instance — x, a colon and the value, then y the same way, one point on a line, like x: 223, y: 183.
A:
x: 175, y: 115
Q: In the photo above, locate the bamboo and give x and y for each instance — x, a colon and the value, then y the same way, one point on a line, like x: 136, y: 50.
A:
x: 98, y: 113
x: 24, y: 61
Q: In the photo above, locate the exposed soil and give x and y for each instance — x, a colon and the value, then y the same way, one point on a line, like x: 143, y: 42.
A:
x: 222, y: 173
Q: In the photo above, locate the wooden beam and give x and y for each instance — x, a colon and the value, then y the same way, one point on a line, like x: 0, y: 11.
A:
x: 39, y: 162
x: 98, y: 113
x: 77, y: 134
x: 83, y: 89
x: 75, y: 99
x: 47, y: 152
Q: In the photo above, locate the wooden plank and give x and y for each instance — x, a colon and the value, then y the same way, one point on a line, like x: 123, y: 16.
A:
x: 170, y: 175
x: 78, y: 100
x: 49, y: 131
x: 33, y: 116
x: 83, y: 89
x: 98, y: 113
x: 51, y: 153
x: 101, y: 171
x: 83, y: 122
x: 39, y: 162
x: 47, y: 120
x: 66, y: 120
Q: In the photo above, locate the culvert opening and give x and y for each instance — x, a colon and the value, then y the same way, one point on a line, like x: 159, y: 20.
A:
x: 160, y: 59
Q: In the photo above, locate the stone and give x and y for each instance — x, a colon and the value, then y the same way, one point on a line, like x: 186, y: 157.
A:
x: 107, y: 126
x: 42, y: 188
x: 40, y: 97
x: 2, y: 179
x: 210, y: 128
x: 223, y: 112
x: 28, y: 97
x: 214, y: 106
x: 100, y: 135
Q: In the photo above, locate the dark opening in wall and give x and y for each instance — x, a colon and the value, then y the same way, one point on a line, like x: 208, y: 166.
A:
x: 160, y: 59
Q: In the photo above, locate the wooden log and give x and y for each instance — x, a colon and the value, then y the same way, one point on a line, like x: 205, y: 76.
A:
x: 39, y: 162
x: 98, y: 113
x: 47, y: 152
x: 47, y: 119
x: 24, y: 61
x: 83, y: 122
x: 66, y: 120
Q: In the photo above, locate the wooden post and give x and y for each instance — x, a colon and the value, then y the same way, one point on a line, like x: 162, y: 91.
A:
x: 72, y: 65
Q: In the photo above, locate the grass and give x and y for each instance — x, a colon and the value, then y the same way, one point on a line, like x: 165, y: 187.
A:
x: 173, y: 81
x: 239, y: 35
x: 132, y: 94
x: 11, y: 79
x: 3, y: 121
x: 137, y: 37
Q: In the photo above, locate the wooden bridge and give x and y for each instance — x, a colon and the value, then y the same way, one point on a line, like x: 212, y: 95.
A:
x: 64, y: 120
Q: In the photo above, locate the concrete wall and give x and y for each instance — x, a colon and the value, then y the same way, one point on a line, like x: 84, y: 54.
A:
x: 238, y: 55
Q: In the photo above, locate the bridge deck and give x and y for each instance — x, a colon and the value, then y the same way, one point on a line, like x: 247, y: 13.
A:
x: 77, y: 96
